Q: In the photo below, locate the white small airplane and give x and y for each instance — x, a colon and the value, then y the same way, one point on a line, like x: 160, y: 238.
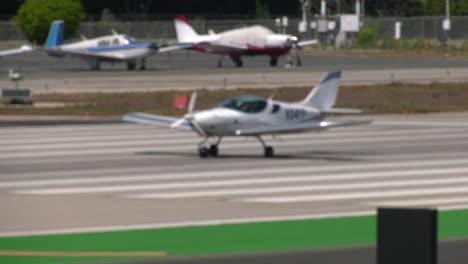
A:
x: 253, y: 116
x: 112, y: 48
x: 20, y: 50
x: 250, y: 41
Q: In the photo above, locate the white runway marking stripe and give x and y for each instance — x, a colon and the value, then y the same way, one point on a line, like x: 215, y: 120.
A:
x: 303, y: 188
x: 238, y: 173
x: 360, y: 195
x: 422, y: 202
x: 112, y: 147
x: 80, y: 138
x: 203, y: 184
x: 423, y: 123
x: 174, y: 135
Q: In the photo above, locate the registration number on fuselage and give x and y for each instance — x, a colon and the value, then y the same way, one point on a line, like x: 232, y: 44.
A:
x: 294, y: 114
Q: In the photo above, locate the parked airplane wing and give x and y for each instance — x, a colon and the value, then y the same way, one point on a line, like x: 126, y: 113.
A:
x: 155, y: 120
x: 304, y: 43
x: 179, y: 46
x: 309, y: 125
x: 82, y: 54
x: 22, y: 49
x: 225, y: 47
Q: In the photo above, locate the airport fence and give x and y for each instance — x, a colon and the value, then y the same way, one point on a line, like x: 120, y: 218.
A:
x: 412, y: 27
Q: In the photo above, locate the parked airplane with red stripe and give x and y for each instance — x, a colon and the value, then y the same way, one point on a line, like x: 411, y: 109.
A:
x: 247, y: 41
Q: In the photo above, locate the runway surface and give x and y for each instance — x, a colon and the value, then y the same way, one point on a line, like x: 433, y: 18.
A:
x: 72, y: 178
x: 70, y: 75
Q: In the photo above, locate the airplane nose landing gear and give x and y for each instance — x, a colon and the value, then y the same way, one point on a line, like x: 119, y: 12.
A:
x: 205, y: 152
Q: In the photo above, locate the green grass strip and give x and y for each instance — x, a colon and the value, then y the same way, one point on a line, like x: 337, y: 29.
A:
x: 227, y: 238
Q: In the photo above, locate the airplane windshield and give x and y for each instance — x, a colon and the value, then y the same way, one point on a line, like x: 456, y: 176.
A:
x: 246, y: 104
x: 129, y: 39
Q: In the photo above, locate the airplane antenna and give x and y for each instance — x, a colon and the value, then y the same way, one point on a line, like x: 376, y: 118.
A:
x: 273, y: 94
x: 114, y: 32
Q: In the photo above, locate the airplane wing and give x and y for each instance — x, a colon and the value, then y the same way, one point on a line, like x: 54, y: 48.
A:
x: 155, y: 120
x: 223, y: 47
x: 174, y: 47
x: 302, y: 127
x: 304, y: 43
x: 82, y: 54
x: 22, y: 49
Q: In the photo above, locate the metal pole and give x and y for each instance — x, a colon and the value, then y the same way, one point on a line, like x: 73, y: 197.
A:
x: 305, y: 7
x: 358, y: 7
x: 447, y: 9
x: 323, y: 8
x: 447, y: 23
x: 363, y: 9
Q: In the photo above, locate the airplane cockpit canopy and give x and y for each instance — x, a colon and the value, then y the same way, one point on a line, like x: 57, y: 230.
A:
x: 129, y: 39
x: 245, y: 103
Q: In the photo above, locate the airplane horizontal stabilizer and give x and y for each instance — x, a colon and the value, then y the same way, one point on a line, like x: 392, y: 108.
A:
x: 155, y: 120
x: 20, y: 50
x: 302, y: 127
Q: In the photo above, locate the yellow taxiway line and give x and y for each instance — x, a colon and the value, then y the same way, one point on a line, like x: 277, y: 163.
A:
x: 24, y: 253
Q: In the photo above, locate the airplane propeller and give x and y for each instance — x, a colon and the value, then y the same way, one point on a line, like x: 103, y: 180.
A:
x: 189, y: 117
x: 293, y: 43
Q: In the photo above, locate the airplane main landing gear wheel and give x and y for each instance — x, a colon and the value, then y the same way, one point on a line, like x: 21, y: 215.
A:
x: 203, y: 152
x: 269, y: 152
x: 131, y: 66
x: 237, y: 60
x: 214, y: 150
x: 298, y: 61
x: 142, y: 65
x: 273, y: 61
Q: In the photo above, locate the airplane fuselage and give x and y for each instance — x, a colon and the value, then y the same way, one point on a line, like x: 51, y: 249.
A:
x: 253, y: 40
x: 110, y: 48
x: 222, y: 121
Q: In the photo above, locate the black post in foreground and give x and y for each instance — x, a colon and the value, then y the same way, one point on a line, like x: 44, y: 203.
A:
x: 406, y: 236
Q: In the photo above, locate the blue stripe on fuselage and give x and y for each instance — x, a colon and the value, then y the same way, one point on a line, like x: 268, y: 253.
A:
x: 134, y: 45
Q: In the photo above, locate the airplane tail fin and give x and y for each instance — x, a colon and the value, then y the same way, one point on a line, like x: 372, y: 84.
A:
x: 185, y: 32
x: 56, y: 34
x: 323, y: 96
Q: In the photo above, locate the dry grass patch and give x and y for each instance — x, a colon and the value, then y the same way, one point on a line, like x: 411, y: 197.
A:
x: 411, y: 98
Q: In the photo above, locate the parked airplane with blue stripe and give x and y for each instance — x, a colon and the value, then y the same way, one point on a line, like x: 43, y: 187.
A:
x: 111, y: 48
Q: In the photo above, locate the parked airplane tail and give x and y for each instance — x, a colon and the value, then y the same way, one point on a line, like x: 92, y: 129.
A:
x: 185, y: 32
x: 323, y: 96
x: 56, y: 34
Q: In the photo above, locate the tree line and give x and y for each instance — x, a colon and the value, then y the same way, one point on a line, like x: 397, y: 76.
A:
x: 215, y: 9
